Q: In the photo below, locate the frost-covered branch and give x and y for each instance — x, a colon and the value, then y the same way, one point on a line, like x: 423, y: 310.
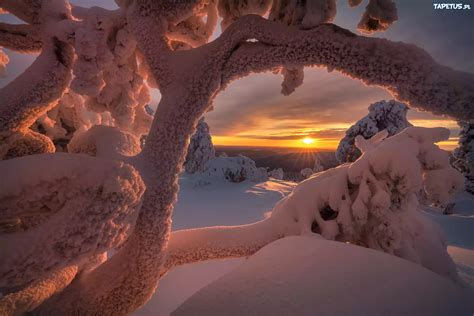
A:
x: 26, y: 10
x: 36, y: 90
x: 81, y: 207
x: 405, y: 70
x: 22, y: 38
x: 193, y: 245
x: 194, y: 31
x: 37, y: 292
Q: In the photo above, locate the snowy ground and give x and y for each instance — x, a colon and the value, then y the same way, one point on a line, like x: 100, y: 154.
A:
x: 247, y: 202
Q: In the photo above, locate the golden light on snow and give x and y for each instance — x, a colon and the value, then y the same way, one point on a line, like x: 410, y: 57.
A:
x: 308, y: 140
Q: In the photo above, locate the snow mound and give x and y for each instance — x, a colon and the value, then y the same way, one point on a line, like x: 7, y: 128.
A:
x: 308, y: 276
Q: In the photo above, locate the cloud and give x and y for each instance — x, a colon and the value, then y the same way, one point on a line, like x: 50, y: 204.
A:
x: 255, y: 103
x: 297, y: 135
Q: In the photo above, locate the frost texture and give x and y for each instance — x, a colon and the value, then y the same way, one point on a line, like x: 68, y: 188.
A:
x: 38, y: 291
x: 62, y: 209
x: 35, y: 91
x: 200, y: 150
x: 378, y: 16
x: 292, y: 79
x: 69, y: 118
x: 105, y: 142
x: 464, y: 154
x: 108, y: 71
x: 22, y: 38
x: 231, y: 10
x: 383, y: 115
x: 23, y: 143
x: 3, y: 62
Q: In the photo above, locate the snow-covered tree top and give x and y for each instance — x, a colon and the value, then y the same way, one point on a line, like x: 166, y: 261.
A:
x: 200, y: 149
x: 383, y: 115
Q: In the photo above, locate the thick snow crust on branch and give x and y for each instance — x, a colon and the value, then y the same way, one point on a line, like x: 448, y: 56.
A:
x: 371, y: 202
x: 62, y: 209
x: 23, y: 143
x: 105, y: 142
x: 69, y: 118
x: 231, y: 10
x: 35, y: 91
x: 383, y: 115
x: 22, y: 38
x: 108, y: 71
x: 405, y: 70
x: 4, y: 60
x: 378, y: 16
x: 37, y: 292
x: 200, y: 149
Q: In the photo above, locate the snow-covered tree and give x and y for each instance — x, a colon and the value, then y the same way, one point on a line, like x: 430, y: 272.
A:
x: 371, y: 202
x: 464, y: 154
x: 200, y: 149
x: 233, y: 169
x: 88, y: 205
x: 306, y: 173
x: 318, y: 165
x: 277, y: 174
x: 383, y: 115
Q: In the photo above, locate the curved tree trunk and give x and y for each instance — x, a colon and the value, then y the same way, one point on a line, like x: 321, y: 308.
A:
x: 189, y: 81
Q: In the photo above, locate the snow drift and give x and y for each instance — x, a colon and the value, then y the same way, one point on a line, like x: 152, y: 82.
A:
x: 312, y: 276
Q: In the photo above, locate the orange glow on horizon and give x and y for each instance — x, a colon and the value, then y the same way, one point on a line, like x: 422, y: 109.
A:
x: 320, y: 143
x: 326, y: 136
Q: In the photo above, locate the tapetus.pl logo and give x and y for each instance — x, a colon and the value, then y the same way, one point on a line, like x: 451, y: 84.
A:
x: 451, y: 6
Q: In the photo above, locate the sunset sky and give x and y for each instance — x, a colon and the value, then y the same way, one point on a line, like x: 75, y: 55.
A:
x: 252, y: 112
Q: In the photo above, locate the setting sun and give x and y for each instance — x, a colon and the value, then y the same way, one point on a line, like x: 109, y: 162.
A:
x: 308, y: 140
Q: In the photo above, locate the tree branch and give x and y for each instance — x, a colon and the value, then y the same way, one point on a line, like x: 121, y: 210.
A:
x: 37, y: 292
x: 405, y: 70
x: 193, y: 245
x: 26, y: 10
x: 21, y: 38
x: 33, y: 93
